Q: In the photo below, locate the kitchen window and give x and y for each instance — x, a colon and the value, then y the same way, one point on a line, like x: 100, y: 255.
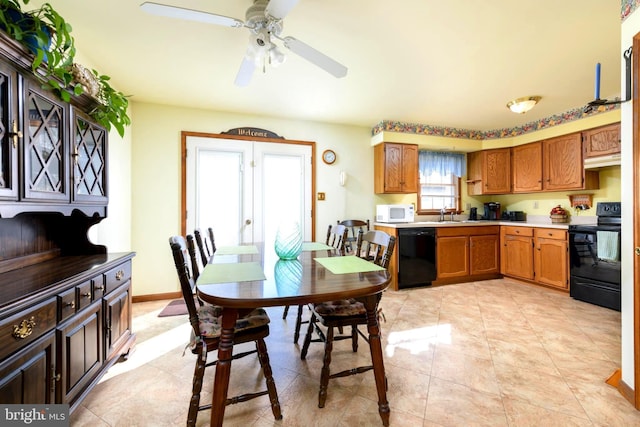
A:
x: 440, y: 174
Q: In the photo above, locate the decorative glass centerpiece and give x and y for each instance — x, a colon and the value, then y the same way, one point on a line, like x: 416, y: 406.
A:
x: 288, y: 243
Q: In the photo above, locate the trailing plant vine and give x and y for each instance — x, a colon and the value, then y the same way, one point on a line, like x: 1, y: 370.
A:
x: 48, y: 37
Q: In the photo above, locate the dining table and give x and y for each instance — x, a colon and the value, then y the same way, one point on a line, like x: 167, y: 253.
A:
x: 243, y: 277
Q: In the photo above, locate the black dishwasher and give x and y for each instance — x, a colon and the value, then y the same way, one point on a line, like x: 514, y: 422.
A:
x: 417, y: 256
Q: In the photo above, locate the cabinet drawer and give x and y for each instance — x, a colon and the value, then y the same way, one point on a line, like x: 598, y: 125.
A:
x: 84, y: 294
x: 66, y: 304
x: 551, y: 233
x: 21, y: 329
x: 117, y: 276
x: 518, y: 231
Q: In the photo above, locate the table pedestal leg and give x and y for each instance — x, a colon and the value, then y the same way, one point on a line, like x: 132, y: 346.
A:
x: 223, y: 368
x: 375, y: 345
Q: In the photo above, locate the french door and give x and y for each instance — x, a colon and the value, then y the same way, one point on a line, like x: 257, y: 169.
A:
x: 244, y: 189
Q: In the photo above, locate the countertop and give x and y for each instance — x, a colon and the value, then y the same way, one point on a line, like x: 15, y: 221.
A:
x: 467, y: 223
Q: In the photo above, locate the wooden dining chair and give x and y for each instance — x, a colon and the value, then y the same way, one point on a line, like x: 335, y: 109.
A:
x: 206, y: 247
x: 336, y: 238
x: 205, y: 334
x: 353, y: 227
x: 377, y: 247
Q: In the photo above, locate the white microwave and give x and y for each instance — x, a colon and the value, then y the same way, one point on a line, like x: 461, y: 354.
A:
x: 394, y: 213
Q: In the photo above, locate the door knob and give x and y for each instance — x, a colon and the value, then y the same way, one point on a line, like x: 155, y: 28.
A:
x: 637, y: 251
x: 247, y: 222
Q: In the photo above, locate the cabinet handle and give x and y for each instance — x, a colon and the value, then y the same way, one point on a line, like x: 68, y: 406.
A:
x: 87, y: 295
x: 54, y: 379
x: 75, y: 154
x: 119, y: 275
x: 15, y: 133
x: 71, y: 304
x: 24, y: 329
x: 99, y: 288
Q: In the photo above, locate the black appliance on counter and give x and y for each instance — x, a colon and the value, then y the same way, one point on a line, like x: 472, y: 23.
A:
x: 417, y: 256
x: 514, y: 216
x: 473, y: 214
x: 492, y: 211
x: 594, y: 258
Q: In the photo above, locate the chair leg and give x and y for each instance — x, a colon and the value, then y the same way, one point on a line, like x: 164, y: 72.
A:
x: 354, y: 338
x: 307, y: 337
x: 198, y: 375
x: 285, y: 312
x: 263, y: 357
x: 296, y: 334
x: 324, y: 376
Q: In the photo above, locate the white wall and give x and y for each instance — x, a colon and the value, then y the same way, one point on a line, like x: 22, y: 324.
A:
x: 156, y: 169
x: 630, y: 27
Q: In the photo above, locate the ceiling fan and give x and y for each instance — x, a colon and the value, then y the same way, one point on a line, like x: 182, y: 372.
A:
x: 264, y: 21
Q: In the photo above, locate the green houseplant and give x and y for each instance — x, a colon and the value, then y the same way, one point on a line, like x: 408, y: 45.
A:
x: 48, y: 37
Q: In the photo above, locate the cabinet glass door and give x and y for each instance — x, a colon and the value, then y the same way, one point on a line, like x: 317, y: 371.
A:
x: 44, y: 155
x: 8, y: 143
x: 89, y: 165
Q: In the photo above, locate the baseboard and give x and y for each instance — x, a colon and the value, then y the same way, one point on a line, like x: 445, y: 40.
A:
x: 156, y: 297
x: 627, y: 392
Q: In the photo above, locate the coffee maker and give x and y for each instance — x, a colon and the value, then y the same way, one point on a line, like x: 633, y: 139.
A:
x: 492, y: 211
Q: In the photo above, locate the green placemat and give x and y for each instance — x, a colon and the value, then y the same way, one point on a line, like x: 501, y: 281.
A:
x: 236, y: 250
x: 347, y: 264
x: 232, y: 272
x: 314, y: 246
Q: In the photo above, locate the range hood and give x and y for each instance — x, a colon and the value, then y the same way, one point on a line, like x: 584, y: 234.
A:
x: 602, y: 161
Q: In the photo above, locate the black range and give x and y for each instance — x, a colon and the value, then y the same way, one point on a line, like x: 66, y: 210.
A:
x: 594, y: 258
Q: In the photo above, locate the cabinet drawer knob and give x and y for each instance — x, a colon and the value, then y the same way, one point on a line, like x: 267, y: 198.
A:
x: 99, y: 288
x: 24, y: 329
x: 87, y: 295
x: 71, y: 304
x: 119, y: 275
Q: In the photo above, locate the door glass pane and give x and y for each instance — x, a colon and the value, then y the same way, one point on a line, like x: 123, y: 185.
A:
x: 5, y: 148
x: 283, y: 190
x: 219, y: 194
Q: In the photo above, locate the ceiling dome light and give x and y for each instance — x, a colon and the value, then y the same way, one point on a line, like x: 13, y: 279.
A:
x: 522, y: 105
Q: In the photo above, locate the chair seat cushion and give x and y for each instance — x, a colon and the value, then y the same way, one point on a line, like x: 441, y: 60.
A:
x: 210, y: 317
x: 343, y: 307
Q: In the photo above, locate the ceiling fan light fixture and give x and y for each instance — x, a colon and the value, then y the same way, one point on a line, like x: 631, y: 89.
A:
x: 522, y: 105
x: 276, y: 57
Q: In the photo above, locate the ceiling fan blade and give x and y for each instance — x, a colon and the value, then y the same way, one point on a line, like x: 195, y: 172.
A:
x: 280, y: 8
x: 190, y: 15
x: 243, y: 78
x: 318, y: 58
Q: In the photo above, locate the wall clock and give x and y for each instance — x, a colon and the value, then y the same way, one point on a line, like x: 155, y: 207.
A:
x: 329, y: 157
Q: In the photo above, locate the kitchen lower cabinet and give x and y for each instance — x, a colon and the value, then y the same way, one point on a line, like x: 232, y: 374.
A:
x: 551, y: 264
x: 517, y: 252
x: 467, y: 253
x: 539, y: 255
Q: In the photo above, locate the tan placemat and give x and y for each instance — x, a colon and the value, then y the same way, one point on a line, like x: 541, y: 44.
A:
x: 347, y: 264
x: 232, y: 272
x: 237, y: 250
x: 314, y: 246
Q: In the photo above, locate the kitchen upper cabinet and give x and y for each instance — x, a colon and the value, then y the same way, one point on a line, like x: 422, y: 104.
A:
x: 527, y: 167
x: 601, y: 141
x: 551, y: 257
x: 563, y: 167
x: 489, y: 172
x: 395, y: 168
x: 464, y: 253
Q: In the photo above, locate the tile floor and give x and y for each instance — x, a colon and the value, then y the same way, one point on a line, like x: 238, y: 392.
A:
x: 491, y: 353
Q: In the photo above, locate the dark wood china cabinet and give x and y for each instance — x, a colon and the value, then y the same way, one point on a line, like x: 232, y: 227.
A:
x: 65, y: 302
